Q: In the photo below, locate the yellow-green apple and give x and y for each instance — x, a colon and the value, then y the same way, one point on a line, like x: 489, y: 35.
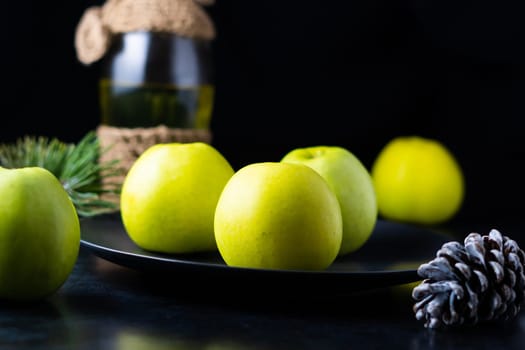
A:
x: 352, y: 184
x: 418, y: 180
x: 39, y: 234
x: 278, y: 216
x: 168, y: 197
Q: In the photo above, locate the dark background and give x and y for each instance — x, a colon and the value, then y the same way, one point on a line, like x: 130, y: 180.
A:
x: 299, y: 73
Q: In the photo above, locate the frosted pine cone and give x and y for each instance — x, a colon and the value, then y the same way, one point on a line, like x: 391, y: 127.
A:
x: 482, y: 280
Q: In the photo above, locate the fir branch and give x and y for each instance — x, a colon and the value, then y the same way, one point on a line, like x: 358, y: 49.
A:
x: 75, y: 165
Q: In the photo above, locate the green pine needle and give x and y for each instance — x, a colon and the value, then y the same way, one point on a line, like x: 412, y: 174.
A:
x: 75, y: 165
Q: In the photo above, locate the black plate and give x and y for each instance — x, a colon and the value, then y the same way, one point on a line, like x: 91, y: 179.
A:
x: 390, y: 257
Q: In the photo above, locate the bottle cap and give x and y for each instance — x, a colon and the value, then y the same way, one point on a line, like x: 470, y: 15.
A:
x: 98, y: 24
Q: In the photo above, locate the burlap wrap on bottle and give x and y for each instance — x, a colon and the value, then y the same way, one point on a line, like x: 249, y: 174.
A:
x: 98, y: 23
x: 126, y: 144
x: 93, y: 38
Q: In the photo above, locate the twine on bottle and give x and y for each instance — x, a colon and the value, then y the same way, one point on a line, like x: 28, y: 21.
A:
x: 97, y: 25
x: 127, y: 144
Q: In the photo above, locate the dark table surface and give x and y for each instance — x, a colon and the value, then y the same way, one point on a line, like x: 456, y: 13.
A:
x: 103, y: 305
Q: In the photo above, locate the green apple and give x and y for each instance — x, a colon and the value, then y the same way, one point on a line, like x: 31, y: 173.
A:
x: 39, y: 234
x: 278, y: 216
x: 418, y: 180
x: 352, y: 184
x: 168, y: 197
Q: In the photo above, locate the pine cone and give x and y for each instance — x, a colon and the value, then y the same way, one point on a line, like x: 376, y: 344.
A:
x: 482, y: 280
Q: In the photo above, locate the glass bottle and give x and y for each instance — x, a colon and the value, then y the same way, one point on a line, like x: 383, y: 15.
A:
x: 155, y: 78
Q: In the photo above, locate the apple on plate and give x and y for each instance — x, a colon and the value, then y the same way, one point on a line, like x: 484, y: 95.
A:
x: 168, y: 197
x: 39, y: 234
x: 275, y: 215
x: 352, y: 184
